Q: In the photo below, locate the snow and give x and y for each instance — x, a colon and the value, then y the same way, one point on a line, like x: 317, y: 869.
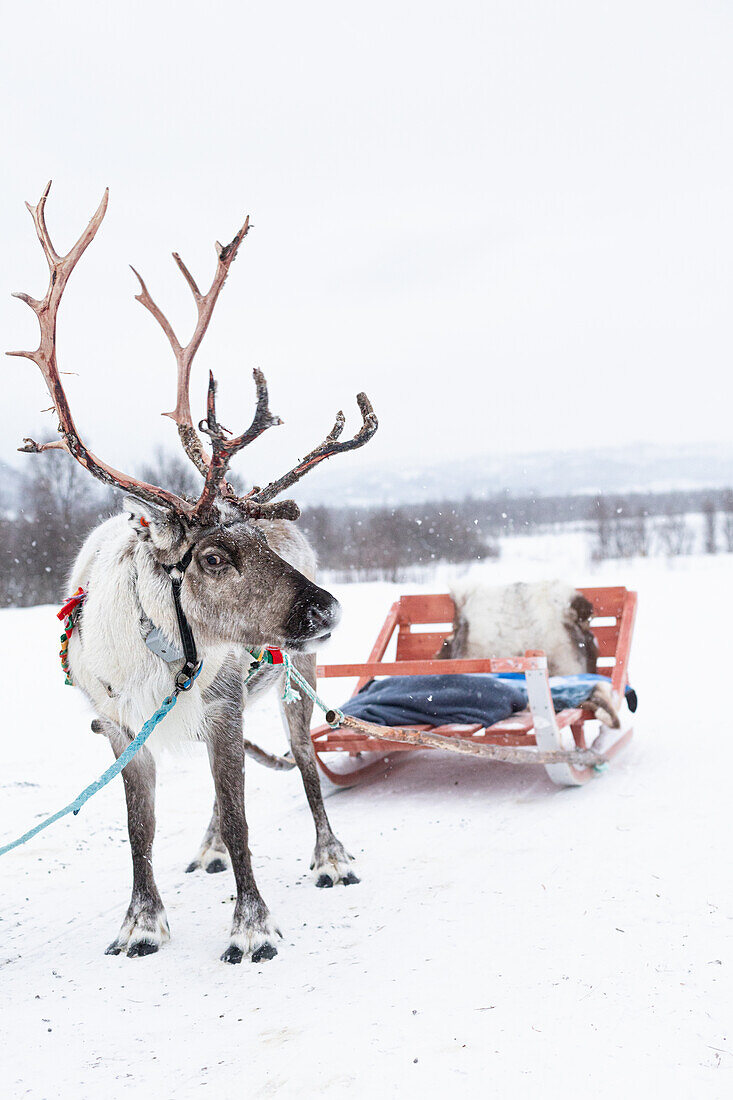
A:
x: 509, y: 938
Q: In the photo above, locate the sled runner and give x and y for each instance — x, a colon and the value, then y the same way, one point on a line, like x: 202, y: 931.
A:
x: 535, y: 734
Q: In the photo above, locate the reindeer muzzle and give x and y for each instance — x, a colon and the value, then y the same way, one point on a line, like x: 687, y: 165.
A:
x: 313, y: 615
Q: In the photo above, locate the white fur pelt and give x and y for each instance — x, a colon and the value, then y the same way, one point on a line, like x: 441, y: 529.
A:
x: 507, y: 620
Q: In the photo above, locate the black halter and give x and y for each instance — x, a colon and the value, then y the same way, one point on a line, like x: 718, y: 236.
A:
x: 184, y: 678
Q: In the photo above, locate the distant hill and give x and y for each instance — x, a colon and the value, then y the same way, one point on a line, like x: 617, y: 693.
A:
x: 607, y: 470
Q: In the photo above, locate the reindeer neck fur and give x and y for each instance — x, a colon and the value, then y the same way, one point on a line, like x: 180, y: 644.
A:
x: 108, y: 656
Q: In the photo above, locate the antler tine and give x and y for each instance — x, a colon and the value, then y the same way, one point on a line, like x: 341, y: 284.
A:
x: 184, y: 356
x: 329, y: 447
x: 46, y: 310
x: 224, y: 447
x: 39, y: 220
x: 262, y: 419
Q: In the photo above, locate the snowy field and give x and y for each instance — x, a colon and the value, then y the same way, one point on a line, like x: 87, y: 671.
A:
x: 508, y: 939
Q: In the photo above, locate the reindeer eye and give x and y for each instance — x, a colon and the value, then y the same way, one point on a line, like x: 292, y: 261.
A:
x: 214, y: 560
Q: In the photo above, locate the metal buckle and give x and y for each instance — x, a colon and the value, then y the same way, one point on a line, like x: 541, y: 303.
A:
x: 184, y: 681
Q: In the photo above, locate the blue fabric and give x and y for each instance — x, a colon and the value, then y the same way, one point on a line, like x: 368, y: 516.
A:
x: 464, y: 698
x: 571, y: 691
x: 436, y: 700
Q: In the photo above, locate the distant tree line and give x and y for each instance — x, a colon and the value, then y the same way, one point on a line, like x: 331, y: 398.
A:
x: 623, y: 529
x: 505, y: 515
x: 61, y: 504
x: 386, y: 543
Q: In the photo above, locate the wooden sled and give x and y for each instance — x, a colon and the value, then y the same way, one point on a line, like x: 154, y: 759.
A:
x: 537, y: 730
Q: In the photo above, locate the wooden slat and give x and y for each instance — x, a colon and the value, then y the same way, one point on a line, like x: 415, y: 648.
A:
x: 425, y: 668
x: 361, y: 743
x: 417, y: 647
x: 626, y: 633
x: 437, y: 608
x: 379, y: 647
x: 606, y: 601
x: 383, y: 638
x: 606, y: 639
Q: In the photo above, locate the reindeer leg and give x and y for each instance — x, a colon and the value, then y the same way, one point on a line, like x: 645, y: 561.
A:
x: 253, y: 929
x: 212, y: 855
x: 145, y: 926
x: 331, y: 862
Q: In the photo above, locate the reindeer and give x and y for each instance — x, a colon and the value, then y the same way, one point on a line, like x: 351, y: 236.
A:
x: 218, y: 574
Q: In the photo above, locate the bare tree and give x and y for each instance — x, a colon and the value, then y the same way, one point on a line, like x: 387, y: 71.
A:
x: 674, y: 536
x: 170, y: 469
x: 728, y: 520
x: 710, y: 532
x: 58, y: 508
x: 602, y: 543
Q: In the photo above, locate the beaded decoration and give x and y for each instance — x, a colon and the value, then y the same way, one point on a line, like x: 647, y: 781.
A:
x: 70, y: 614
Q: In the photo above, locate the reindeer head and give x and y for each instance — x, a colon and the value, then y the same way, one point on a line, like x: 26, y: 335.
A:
x: 235, y: 586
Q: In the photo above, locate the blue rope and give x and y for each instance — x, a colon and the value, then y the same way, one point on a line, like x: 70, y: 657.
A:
x: 290, y: 695
x: 121, y: 762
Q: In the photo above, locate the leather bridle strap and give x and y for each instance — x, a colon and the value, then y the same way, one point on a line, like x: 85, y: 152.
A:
x: 191, y: 665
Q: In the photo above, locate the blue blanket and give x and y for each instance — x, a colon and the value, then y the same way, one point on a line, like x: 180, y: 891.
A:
x: 464, y: 698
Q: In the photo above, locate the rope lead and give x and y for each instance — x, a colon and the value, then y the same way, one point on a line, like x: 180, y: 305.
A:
x: 334, y: 716
x: 122, y: 761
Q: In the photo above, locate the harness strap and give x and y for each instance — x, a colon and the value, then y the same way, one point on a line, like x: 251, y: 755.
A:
x: 191, y: 665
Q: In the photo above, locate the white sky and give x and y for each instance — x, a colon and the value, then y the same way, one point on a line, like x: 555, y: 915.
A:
x: 510, y: 223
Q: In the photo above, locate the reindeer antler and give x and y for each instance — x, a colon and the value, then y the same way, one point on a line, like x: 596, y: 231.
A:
x: 46, y: 310
x: 225, y: 448
x: 330, y: 446
x: 257, y: 503
x: 184, y: 356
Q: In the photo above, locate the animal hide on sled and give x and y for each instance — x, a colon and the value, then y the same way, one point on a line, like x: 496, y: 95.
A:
x: 507, y: 620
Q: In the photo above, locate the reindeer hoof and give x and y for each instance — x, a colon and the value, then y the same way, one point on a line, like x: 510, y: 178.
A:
x: 232, y: 954
x: 255, y: 941
x: 212, y: 860
x: 142, y: 947
x: 143, y: 932
x: 215, y: 867
x: 264, y: 952
x: 333, y: 865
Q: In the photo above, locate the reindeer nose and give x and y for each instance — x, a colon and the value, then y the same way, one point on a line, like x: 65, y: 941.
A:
x: 322, y: 619
x: 314, y: 613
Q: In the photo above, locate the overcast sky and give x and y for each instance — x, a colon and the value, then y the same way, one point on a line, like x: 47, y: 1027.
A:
x: 510, y: 223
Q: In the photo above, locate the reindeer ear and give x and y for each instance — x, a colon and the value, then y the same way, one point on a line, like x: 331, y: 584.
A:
x: 160, y: 526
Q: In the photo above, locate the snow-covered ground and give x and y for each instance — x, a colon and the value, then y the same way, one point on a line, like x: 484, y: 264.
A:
x: 508, y: 939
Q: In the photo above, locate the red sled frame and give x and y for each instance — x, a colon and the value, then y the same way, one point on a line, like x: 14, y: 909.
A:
x: 612, y: 626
